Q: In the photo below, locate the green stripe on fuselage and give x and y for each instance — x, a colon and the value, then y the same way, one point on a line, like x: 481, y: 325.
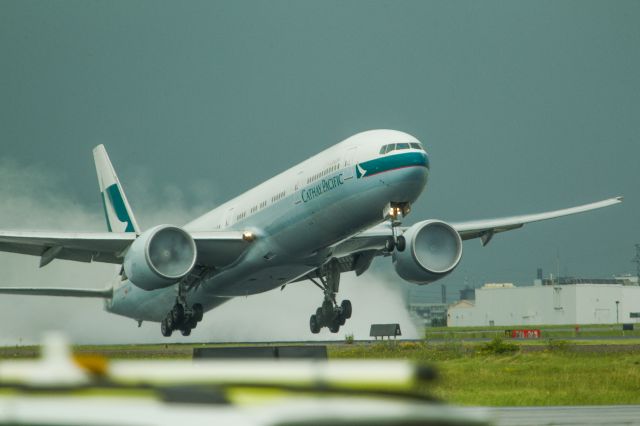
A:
x: 392, y: 162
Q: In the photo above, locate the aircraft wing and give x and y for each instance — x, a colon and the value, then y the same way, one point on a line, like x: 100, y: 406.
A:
x: 56, y: 291
x: 356, y: 253
x: 105, y: 247
x: 485, y: 229
x: 215, y: 249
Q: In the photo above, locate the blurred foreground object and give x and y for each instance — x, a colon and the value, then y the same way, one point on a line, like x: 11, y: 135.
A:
x: 60, y: 389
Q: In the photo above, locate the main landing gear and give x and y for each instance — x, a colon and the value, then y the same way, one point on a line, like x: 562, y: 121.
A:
x: 181, y: 316
x: 330, y: 314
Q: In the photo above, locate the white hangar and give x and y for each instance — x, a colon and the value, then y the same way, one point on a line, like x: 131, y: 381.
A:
x: 574, y: 301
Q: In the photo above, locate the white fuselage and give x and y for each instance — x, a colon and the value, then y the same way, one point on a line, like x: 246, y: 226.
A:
x: 298, y: 218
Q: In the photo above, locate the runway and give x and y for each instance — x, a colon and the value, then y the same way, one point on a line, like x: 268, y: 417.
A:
x: 579, y: 415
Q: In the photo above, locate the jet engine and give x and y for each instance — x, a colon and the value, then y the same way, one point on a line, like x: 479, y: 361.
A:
x: 432, y: 250
x: 159, y: 257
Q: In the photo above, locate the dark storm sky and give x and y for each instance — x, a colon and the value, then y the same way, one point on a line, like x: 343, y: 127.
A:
x: 523, y: 107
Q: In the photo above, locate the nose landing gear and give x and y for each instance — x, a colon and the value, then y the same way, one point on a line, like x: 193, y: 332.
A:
x: 394, y: 211
x: 330, y: 314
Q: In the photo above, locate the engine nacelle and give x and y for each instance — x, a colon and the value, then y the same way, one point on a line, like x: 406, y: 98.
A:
x: 161, y: 256
x: 433, y: 249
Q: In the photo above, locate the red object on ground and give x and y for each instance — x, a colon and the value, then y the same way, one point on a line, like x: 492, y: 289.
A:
x: 525, y: 334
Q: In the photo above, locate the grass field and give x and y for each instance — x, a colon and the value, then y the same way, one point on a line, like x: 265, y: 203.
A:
x: 525, y: 373
x: 557, y: 375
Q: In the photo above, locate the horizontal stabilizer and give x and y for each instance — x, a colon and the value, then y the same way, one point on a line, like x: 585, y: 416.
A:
x: 60, y: 292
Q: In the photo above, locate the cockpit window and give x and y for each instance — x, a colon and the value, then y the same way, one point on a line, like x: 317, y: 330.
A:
x: 396, y: 146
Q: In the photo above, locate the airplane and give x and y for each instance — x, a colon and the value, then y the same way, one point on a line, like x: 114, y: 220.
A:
x: 330, y: 214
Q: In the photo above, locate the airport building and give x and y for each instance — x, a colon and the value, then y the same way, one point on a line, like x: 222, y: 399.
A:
x: 435, y: 314
x: 430, y: 314
x: 563, y: 301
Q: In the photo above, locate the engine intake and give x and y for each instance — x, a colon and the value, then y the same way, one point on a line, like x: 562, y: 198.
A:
x: 433, y: 250
x: 159, y: 257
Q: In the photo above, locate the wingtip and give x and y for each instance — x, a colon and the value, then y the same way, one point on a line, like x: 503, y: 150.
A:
x: 620, y: 198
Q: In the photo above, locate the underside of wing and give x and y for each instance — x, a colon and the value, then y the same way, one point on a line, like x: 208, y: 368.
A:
x: 357, y: 253
x: 220, y: 248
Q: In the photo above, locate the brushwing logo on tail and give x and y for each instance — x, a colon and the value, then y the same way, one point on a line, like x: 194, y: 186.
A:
x: 118, y: 219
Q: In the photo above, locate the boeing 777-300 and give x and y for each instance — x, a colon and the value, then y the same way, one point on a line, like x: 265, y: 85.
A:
x: 332, y: 213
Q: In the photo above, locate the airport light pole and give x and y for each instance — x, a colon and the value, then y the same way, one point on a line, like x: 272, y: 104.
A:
x: 617, y: 304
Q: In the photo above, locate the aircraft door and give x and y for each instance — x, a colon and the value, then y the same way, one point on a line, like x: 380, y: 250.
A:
x: 350, y: 163
x: 299, y: 185
x: 228, y: 218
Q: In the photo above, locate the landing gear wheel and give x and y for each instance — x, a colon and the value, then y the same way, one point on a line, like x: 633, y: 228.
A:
x: 193, y: 323
x: 389, y: 245
x: 165, y: 329
x: 330, y: 314
x: 346, y: 309
x: 186, y: 331
x: 170, y: 323
x: 177, y: 313
x: 313, y: 324
x: 198, y: 312
x: 401, y: 243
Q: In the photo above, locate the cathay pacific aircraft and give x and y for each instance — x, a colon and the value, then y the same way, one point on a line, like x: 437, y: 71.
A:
x: 330, y: 214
